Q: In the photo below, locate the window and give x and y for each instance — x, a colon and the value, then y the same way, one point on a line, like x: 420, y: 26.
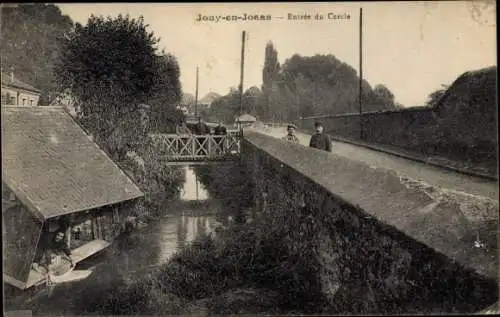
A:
x: 31, y: 102
x: 24, y: 101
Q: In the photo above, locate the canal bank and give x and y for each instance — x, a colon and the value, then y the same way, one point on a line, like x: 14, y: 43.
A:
x: 284, y: 259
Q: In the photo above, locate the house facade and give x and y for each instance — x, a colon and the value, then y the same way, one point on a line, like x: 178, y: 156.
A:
x: 56, y: 179
x: 17, y: 93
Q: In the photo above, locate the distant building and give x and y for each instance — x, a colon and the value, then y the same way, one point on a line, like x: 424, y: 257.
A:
x: 54, y: 177
x: 188, y: 102
x: 245, y: 120
x: 18, y: 93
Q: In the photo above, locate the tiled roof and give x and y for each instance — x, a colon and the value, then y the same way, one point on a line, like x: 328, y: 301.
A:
x: 54, y: 168
x: 6, y: 80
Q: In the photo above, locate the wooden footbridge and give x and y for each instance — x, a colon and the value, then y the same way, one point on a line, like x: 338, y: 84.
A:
x: 191, y: 148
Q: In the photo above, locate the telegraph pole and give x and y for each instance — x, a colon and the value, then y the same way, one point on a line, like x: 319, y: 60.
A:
x: 360, y: 97
x: 243, y: 34
x: 196, y: 97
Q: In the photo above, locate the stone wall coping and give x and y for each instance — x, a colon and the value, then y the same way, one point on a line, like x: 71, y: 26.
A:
x: 443, y: 225
x: 367, y: 113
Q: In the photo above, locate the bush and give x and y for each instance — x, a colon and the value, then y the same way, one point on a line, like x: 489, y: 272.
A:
x: 255, y: 255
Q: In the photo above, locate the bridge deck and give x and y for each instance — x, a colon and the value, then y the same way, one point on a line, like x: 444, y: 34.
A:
x: 197, y: 148
x: 417, y: 171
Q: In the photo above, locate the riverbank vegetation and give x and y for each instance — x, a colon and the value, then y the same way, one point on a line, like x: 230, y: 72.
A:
x: 125, y: 92
x: 264, y: 264
x: 247, y: 268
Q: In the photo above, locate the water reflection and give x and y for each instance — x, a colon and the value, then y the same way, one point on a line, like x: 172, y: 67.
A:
x: 193, y: 189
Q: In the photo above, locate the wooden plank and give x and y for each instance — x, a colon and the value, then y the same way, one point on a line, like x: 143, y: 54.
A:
x: 88, y: 249
x: 34, y: 278
x: 14, y: 282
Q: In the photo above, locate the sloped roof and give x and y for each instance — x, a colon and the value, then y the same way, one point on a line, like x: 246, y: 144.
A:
x: 54, y: 168
x: 246, y: 118
x: 187, y: 98
x: 6, y: 80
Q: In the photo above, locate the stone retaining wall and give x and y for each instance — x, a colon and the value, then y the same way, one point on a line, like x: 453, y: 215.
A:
x: 373, y: 260
x: 461, y: 127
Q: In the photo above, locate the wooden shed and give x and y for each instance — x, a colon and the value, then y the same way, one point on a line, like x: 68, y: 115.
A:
x: 245, y: 120
x: 54, y: 175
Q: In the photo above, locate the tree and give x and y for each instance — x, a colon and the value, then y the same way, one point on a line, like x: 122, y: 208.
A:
x: 111, y: 69
x: 226, y: 107
x: 384, y: 94
x: 270, y: 74
x: 29, y: 36
x: 167, y: 95
x: 271, y: 68
x: 322, y: 84
x: 435, y: 96
x: 250, y: 100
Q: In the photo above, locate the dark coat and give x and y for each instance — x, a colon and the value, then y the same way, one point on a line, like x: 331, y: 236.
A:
x: 321, y: 141
x: 220, y: 130
x: 202, y: 128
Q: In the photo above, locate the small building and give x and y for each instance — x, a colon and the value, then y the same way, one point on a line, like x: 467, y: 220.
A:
x: 18, y: 93
x: 55, y: 178
x: 245, y: 120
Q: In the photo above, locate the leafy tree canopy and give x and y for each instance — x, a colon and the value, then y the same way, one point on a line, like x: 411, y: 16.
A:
x: 111, y: 67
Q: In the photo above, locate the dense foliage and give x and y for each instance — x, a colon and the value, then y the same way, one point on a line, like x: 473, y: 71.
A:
x: 436, y: 95
x: 305, y: 86
x: 111, y: 68
x: 228, y: 183
x: 29, y: 36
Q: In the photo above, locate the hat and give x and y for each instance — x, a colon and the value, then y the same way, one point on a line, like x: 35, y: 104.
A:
x: 291, y: 125
x: 318, y: 124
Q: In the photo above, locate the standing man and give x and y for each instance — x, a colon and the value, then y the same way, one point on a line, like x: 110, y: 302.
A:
x: 291, y: 137
x: 182, y: 128
x: 220, y: 130
x: 320, y: 140
x: 201, y: 129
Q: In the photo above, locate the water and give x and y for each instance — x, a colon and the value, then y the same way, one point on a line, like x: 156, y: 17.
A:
x: 137, y: 254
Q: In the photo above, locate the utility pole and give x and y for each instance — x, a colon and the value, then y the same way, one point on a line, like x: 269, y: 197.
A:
x: 360, y: 97
x: 243, y: 34
x: 196, y: 97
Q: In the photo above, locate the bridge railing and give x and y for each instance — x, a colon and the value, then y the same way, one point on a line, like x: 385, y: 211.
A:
x: 189, y: 147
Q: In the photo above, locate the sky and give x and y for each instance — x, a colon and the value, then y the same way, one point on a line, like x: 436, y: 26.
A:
x: 410, y: 47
